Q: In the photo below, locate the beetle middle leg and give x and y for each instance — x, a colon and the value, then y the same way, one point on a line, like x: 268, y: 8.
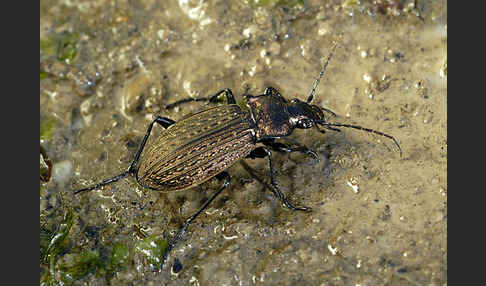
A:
x: 281, y: 147
x: 221, y: 176
x: 230, y: 99
x: 262, y: 152
x: 165, y: 122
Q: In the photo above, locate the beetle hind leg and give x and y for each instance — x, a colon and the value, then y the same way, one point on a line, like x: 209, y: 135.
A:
x: 221, y: 176
x: 165, y: 122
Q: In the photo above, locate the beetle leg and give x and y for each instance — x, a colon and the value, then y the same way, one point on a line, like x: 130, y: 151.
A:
x: 165, y: 122
x: 262, y: 152
x: 230, y: 99
x: 281, y: 147
x: 328, y: 111
x: 174, y: 104
x: 257, y: 153
x: 221, y: 176
x: 104, y: 182
x: 268, y: 91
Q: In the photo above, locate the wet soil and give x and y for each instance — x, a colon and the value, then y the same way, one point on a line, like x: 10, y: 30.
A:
x: 377, y: 218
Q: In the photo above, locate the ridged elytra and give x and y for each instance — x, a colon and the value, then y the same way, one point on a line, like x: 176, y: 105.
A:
x: 203, y: 145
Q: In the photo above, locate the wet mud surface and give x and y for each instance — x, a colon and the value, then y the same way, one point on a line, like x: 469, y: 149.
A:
x: 108, y: 67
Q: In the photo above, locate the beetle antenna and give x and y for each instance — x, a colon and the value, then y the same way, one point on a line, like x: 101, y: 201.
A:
x: 321, y: 74
x: 331, y: 125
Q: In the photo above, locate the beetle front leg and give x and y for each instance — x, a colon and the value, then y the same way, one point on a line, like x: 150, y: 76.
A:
x: 262, y: 152
x: 284, y: 148
x: 230, y: 99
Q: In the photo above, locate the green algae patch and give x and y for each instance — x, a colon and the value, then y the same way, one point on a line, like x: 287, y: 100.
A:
x: 77, y: 265
x: 43, y: 75
x: 52, y: 243
x: 152, y: 248
x: 119, y: 256
x: 62, y: 46
x: 46, y: 129
x: 272, y: 3
x: 48, y: 46
x: 67, y: 47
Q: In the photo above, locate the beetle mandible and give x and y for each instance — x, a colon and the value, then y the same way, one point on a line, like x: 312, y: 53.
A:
x: 203, y: 145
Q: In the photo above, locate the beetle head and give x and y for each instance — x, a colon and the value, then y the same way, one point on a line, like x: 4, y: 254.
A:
x: 304, y: 115
x: 275, y: 116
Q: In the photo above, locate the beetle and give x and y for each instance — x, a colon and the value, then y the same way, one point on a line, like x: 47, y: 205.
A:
x: 203, y: 145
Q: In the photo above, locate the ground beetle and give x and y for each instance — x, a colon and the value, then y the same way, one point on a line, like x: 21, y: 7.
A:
x: 203, y: 145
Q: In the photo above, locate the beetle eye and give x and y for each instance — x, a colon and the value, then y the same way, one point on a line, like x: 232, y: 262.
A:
x: 305, y: 123
x: 295, y: 100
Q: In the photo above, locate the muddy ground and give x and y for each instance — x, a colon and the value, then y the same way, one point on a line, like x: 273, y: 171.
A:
x: 108, y: 67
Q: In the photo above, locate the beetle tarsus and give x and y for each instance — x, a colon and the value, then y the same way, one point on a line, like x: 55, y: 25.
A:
x: 165, y: 122
x: 185, y: 100
x: 222, y: 176
x: 281, y: 147
x: 105, y: 182
x: 230, y: 99
x: 280, y: 195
